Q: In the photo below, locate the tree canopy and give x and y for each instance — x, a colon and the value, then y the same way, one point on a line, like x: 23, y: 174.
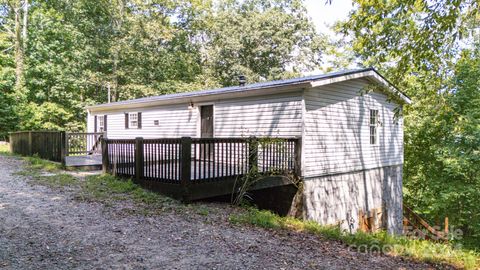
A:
x: 431, y: 51
x: 70, y: 52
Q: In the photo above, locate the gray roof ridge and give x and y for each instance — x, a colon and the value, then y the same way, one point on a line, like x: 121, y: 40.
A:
x: 253, y: 86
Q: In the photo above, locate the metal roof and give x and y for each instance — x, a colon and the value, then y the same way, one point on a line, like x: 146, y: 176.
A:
x: 235, y: 89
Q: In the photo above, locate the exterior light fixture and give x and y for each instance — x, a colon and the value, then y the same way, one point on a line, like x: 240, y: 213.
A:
x: 190, y: 106
x: 242, y: 79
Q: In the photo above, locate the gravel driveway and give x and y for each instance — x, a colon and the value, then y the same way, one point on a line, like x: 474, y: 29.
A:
x: 42, y: 228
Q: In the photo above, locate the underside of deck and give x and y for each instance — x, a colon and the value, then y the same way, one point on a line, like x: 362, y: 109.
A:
x: 205, y: 190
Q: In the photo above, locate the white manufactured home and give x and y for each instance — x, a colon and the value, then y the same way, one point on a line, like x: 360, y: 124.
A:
x: 349, y: 123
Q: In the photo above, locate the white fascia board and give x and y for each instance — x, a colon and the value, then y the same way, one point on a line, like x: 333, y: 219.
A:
x: 370, y: 74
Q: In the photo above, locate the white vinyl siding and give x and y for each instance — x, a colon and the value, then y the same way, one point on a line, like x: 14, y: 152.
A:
x: 173, y: 122
x: 337, y: 130
x: 278, y: 116
x: 91, y: 123
x: 274, y: 115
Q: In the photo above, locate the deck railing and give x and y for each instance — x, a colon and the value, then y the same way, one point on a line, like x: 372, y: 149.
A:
x: 84, y: 143
x: 416, y: 226
x: 190, y: 161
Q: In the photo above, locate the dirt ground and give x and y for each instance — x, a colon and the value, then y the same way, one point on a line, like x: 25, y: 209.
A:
x: 41, y: 228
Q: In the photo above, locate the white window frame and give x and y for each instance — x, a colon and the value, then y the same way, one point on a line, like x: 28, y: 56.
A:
x: 131, y: 121
x: 373, y: 121
x: 101, y: 123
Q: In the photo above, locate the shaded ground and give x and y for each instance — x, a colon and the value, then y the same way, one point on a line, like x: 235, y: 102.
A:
x: 42, y: 228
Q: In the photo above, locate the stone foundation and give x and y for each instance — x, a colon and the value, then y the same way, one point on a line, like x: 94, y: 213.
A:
x: 343, y: 198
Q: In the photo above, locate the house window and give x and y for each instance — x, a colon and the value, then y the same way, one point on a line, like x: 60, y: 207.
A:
x: 133, y: 118
x: 101, y: 123
x: 374, y: 126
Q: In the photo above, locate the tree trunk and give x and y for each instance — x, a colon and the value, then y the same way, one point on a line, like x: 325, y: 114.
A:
x: 19, y: 53
x: 25, y: 20
x: 117, y: 26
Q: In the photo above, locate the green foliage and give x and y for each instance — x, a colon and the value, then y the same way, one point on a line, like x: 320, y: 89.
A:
x: 47, y: 116
x: 443, y: 176
x: 8, y: 118
x: 4, y: 149
x: 378, y: 242
x: 260, y: 39
x: 75, y: 50
x: 427, y: 49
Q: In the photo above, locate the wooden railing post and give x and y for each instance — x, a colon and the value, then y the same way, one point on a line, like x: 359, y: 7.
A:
x: 298, y: 157
x: 105, y: 165
x: 11, y: 142
x: 139, y: 159
x: 30, y: 144
x: 252, y: 153
x: 63, y: 147
x: 186, y: 166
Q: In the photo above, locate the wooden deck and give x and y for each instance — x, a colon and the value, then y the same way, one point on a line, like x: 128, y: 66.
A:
x: 185, y: 168
x: 196, y: 168
x: 85, y: 162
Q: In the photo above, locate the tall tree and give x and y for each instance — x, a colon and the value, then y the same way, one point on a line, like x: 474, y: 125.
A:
x: 261, y: 39
x: 19, y: 8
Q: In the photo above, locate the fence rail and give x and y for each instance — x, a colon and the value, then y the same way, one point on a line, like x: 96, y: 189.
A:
x: 421, y: 227
x: 83, y: 143
x: 191, y: 161
x: 46, y: 144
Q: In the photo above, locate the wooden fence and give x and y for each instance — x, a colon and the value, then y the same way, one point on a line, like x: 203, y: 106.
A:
x: 182, y: 163
x: 46, y: 144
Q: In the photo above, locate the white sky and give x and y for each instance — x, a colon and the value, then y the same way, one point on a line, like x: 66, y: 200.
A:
x: 326, y: 14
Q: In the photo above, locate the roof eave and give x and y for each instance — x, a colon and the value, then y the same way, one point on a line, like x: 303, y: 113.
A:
x: 371, y: 74
x: 200, y: 97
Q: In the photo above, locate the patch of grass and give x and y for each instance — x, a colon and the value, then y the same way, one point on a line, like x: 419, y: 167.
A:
x: 37, y: 163
x: 108, y: 187
x: 47, y: 173
x: 5, y: 149
x: 421, y: 250
x: 203, y: 211
x: 57, y: 180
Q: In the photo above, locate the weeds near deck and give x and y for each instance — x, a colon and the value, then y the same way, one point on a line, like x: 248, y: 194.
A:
x: 253, y: 175
x: 421, y: 250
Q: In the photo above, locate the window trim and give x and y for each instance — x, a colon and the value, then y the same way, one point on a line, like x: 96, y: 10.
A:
x: 373, y: 124
x: 130, y: 125
x: 101, y: 123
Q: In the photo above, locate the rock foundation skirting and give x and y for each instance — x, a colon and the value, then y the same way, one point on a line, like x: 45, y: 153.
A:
x: 348, y: 198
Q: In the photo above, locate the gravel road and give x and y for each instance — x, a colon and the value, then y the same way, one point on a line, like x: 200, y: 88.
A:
x: 41, y: 228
